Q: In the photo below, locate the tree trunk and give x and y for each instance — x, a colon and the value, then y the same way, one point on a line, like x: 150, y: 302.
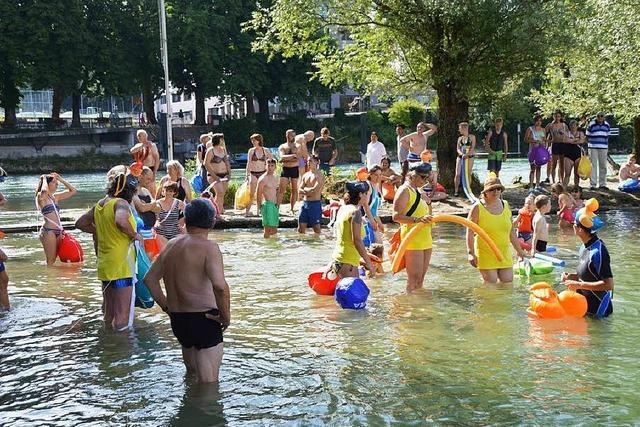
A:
x: 200, y: 113
x: 56, y: 103
x: 452, y: 109
x: 636, y: 135
x: 263, y: 105
x: 251, y: 111
x: 75, y: 108
x: 10, y: 118
x: 149, y: 108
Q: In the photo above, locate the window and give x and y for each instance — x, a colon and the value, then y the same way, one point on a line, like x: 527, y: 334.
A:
x: 175, y: 97
x: 187, y: 97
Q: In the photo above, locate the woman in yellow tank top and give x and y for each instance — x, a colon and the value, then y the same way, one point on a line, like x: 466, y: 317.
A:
x: 494, y: 216
x: 114, y: 229
x: 412, y: 206
x: 349, y: 232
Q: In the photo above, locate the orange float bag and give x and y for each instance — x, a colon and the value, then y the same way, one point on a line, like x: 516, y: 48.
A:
x: 544, y: 303
x: 69, y: 249
x: 388, y: 191
x: 393, y: 249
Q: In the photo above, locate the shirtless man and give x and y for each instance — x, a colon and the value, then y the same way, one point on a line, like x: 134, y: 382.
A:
x: 416, y: 142
x: 146, y: 152
x: 197, y: 300
x: 268, y: 190
x: 311, y: 189
x: 629, y: 169
x: 303, y: 153
x: 290, y: 172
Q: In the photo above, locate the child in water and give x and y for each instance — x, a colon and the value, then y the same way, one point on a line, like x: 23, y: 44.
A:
x: 540, y: 227
x: 576, y: 193
x: 566, y: 205
x: 524, y: 220
x: 376, y: 253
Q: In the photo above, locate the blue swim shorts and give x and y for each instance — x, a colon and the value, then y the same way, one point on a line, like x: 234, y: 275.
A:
x: 311, y: 213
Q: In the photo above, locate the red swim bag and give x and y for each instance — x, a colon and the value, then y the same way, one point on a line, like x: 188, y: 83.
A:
x: 69, y: 249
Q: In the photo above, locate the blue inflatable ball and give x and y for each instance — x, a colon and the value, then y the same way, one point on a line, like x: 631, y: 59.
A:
x: 352, y: 293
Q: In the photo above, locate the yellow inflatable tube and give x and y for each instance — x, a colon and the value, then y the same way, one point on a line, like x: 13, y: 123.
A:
x: 397, y: 260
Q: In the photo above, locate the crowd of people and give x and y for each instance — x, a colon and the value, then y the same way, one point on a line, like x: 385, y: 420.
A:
x: 196, y: 294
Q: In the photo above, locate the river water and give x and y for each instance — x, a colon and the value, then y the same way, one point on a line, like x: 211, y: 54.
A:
x: 457, y: 352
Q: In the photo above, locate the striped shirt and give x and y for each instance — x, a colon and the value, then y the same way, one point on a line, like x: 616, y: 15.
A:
x: 598, y: 135
x: 168, y: 224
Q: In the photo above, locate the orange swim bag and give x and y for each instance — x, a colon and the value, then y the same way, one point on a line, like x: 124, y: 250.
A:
x: 69, y: 249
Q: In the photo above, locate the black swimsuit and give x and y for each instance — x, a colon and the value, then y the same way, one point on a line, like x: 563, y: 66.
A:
x: 196, y: 330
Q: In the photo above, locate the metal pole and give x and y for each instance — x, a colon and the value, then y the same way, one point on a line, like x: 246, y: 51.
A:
x: 167, y: 83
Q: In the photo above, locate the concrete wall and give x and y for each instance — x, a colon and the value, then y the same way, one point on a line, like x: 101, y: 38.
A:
x: 68, y: 142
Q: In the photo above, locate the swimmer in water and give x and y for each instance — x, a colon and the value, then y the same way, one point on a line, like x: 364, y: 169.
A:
x: 197, y: 296
x: 268, y: 188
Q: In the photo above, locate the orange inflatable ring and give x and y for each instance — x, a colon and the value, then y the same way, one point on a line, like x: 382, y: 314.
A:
x: 573, y: 303
x: 399, y: 256
x: 388, y: 191
x: 544, y: 302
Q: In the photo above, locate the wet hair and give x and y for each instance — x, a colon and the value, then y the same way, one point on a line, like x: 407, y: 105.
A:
x: 258, y: 138
x: 41, y: 183
x: 176, y: 164
x: 377, y: 249
x: 217, y: 138
x: 171, y: 186
x: 557, y: 188
x: 541, y: 201
x: 121, y: 186
x: 200, y: 213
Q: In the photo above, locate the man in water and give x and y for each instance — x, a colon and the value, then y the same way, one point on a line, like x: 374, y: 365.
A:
x: 147, y: 153
x: 326, y: 149
x: 311, y: 189
x: 416, y: 142
x: 268, y: 191
x: 198, y: 299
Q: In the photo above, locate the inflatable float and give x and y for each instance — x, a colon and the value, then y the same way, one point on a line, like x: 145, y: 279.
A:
x: 546, y: 303
x: 352, y: 293
x: 323, y: 281
x: 629, y: 185
x: 398, y: 259
x: 539, y: 155
x: 555, y: 261
x: 388, y: 191
x: 69, y: 249
x: 538, y: 267
x: 466, y: 181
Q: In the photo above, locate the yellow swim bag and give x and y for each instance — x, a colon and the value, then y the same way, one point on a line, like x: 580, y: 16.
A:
x: 243, y: 196
x: 584, y: 166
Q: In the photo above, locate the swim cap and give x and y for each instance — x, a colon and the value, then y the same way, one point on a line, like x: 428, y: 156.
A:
x: 199, y: 213
x: 421, y: 168
x: 357, y: 187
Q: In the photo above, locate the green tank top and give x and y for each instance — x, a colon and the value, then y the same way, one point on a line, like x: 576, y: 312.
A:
x: 345, y: 251
x: 115, y: 251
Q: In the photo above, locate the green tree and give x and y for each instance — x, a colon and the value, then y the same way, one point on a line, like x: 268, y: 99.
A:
x: 18, y: 45
x: 60, y: 64
x: 406, y: 111
x: 462, y: 49
x: 600, y: 71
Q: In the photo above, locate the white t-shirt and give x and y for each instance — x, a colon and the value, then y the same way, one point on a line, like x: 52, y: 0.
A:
x: 375, y: 153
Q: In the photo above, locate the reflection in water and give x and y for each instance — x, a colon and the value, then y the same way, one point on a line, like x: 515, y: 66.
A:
x: 201, y: 405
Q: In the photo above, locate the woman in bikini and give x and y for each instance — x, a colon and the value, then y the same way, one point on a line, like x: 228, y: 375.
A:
x: 47, y: 203
x: 216, y: 161
x: 175, y: 173
x: 256, y: 165
x: 557, y: 133
x: 465, y: 148
x: 170, y: 218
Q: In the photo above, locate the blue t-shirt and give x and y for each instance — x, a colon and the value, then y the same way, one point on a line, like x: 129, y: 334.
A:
x: 595, y: 265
